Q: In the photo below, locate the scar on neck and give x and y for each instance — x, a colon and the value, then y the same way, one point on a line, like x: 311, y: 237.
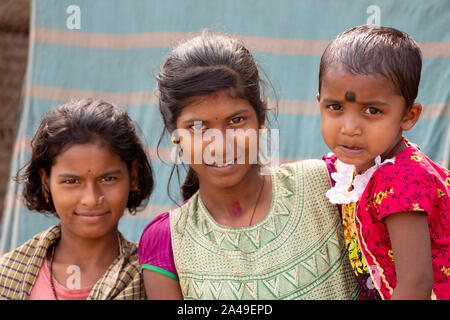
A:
x: 236, y: 208
x: 214, y: 96
x: 350, y: 96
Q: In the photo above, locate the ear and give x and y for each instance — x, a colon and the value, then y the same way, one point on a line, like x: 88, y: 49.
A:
x: 134, y: 180
x: 318, y: 97
x: 44, y: 180
x: 411, y: 117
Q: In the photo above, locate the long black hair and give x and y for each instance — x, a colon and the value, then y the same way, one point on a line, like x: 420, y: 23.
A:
x: 205, y: 64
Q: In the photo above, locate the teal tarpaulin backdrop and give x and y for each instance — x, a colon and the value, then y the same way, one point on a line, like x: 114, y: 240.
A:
x: 112, y: 49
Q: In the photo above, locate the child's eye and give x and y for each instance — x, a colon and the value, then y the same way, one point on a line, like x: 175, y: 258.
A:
x: 236, y: 120
x: 334, y: 107
x: 198, y: 125
x: 109, y: 179
x: 372, y: 110
x: 71, y: 181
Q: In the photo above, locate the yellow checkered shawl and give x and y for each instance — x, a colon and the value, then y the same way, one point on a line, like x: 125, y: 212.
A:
x: 19, y: 269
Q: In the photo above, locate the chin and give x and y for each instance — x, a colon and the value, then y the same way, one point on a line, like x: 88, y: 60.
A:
x: 231, y: 180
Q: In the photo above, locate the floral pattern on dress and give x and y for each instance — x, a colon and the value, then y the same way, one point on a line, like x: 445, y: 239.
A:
x: 413, y: 183
x: 357, y: 261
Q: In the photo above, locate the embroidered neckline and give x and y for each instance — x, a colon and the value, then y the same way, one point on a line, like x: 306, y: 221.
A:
x: 258, y: 235
x: 345, y: 177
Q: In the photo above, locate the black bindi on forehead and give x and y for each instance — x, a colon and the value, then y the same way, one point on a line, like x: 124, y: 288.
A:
x: 350, y: 96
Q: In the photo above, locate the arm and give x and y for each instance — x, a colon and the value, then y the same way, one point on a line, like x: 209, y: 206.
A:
x: 161, y: 287
x: 410, y: 240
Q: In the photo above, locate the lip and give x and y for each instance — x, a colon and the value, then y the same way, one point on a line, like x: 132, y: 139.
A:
x: 91, y: 216
x: 351, y: 150
x: 222, y: 169
x: 222, y: 165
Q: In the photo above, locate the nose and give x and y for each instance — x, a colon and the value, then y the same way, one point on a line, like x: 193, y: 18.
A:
x: 91, y: 196
x: 351, y: 125
x: 214, y: 146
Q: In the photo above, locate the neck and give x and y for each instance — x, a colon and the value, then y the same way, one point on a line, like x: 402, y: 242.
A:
x: 395, y: 149
x: 85, y: 252
x: 234, y: 206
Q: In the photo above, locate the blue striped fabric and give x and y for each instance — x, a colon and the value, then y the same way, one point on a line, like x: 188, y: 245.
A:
x: 120, y: 45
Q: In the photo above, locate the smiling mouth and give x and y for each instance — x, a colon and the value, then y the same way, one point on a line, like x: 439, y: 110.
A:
x: 223, y: 165
x: 91, y: 214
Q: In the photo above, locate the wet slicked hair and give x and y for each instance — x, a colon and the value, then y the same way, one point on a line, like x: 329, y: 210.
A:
x: 374, y: 50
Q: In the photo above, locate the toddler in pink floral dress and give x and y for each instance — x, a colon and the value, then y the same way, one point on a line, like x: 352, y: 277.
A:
x: 395, y: 200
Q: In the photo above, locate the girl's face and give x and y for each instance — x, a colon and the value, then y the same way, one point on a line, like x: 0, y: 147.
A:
x: 89, y: 185
x: 226, y: 162
x: 362, y: 116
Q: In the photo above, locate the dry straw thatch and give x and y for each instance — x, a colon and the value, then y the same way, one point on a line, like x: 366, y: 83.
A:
x: 14, y: 27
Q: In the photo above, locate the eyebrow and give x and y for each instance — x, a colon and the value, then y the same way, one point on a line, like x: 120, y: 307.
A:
x: 373, y: 103
x: 238, y: 113
x: 107, y: 173
x: 328, y: 100
x: 230, y: 116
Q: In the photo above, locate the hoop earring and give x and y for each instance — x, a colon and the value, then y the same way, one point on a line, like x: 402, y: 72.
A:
x: 263, y: 158
x: 176, y: 154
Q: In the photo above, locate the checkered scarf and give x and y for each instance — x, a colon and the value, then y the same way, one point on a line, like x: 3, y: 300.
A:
x: 19, y: 269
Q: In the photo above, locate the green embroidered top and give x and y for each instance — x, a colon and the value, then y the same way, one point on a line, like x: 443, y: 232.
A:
x: 296, y: 252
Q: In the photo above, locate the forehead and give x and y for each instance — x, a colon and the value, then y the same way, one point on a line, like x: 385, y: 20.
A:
x: 338, y: 82
x: 83, y: 158
x: 215, y: 105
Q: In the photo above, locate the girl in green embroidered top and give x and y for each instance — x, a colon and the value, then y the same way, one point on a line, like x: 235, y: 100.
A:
x: 240, y: 234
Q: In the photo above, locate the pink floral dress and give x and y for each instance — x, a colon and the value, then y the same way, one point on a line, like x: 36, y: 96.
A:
x: 412, y: 183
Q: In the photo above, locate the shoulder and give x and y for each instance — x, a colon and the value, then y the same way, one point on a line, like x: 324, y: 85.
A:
x: 159, y: 225
x: 306, y: 166
x: 411, y: 167
x: 16, y: 265
x: 313, y: 173
x: 25, y: 251
x: 409, y: 184
x: 155, y: 234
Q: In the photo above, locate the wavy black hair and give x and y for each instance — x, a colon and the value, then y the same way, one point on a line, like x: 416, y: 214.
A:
x: 79, y: 122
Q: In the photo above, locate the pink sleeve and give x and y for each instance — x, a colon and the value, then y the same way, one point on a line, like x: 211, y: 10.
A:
x: 395, y: 190
x: 155, y: 247
x: 330, y: 162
